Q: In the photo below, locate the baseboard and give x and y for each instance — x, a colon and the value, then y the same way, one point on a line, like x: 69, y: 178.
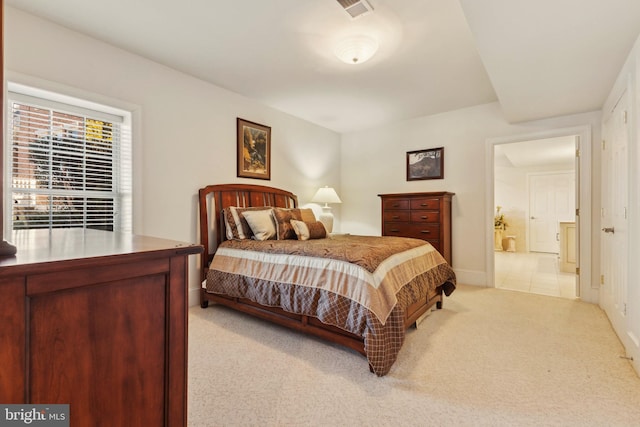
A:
x: 632, y: 345
x: 471, y: 277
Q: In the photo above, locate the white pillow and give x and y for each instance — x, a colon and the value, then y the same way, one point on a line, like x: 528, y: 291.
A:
x: 261, y: 223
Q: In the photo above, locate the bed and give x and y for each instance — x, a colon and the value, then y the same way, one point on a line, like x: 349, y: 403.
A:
x: 361, y: 292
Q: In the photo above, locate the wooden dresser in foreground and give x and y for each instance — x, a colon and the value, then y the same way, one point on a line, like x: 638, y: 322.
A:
x: 96, y: 320
x: 425, y: 216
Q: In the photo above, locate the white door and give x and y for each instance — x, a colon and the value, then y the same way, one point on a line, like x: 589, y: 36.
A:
x: 614, y: 216
x: 551, y: 200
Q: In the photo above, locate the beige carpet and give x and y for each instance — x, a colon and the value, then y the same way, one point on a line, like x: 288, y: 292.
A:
x: 490, y: 357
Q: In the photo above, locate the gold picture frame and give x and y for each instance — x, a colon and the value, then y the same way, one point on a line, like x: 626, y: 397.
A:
x: 253, y: 149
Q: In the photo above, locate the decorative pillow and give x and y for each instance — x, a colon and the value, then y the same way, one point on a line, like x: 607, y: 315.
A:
x: 283, y: 217
x: 261, y: 224
x: 236, y: 225
x: 309, y: 230
x: 307, y: 215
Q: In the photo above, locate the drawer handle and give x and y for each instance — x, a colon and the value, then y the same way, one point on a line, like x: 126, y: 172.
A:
x: 425, y: 231
x: 423, y: 204
x: 394, y: 230
x: 395, y: 217
x: 423, y: 217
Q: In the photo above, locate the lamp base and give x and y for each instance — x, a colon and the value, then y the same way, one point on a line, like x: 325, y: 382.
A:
x: 326, y: 218
x: 7, y: 249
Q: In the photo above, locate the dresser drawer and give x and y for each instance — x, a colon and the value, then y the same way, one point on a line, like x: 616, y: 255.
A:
x: 417, y: 231
x: 425, y: 203
x: 425, y: 216
x: 389, y: 204
x: 397, y: 216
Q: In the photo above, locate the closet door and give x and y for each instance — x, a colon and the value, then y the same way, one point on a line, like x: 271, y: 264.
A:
x: 614, y: 221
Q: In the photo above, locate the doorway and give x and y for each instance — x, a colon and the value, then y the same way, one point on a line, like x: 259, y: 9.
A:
x: 535, y: 193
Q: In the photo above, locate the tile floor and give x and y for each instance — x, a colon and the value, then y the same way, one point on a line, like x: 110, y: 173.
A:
x: 533, y: 272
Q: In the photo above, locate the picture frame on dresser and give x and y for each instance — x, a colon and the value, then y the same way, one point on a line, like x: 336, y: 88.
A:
x: 425, y: 164
x: 253, y: 149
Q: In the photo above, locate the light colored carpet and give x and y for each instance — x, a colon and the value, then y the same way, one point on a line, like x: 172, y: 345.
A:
x: 489, y: 357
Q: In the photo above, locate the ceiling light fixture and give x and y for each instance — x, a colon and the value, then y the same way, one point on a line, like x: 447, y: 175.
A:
x: 356, y: 49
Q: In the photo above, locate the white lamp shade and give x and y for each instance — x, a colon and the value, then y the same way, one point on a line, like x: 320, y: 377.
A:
x: 326, y: 195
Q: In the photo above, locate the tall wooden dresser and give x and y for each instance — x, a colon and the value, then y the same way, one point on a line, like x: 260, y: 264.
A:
x: 425, y: 216
x: 96, y: 320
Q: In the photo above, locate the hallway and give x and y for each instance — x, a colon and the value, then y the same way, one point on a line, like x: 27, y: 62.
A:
x: 533, y: 272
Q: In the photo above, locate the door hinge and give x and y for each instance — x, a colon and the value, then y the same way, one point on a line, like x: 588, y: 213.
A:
x: 602, y: 279
x: 577, y: 212
x: 624, y: 116
x: 578, y: 271
x: 625, y: 309
x: 577, y: 152
x: 604, y: 144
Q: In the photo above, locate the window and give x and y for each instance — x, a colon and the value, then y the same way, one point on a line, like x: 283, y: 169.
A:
x: 70, y: 166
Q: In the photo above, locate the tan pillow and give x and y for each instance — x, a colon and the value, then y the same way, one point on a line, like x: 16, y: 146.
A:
x: 307, y: 215
x: 236, y: 225
x: 309, y: 230
x: 261, y: 224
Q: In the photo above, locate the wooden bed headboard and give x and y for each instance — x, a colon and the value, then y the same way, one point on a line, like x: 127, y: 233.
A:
x: 214, y: 198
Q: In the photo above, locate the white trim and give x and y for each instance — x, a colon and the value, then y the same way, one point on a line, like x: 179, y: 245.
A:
x: 52, y: 96
x: 588, y: 290
x: 471, y: 277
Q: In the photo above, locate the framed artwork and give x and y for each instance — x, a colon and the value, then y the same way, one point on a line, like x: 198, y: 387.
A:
x: 425, y: 164
x: 254, y: 150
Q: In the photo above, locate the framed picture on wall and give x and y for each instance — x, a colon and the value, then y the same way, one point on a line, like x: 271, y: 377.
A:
x: 254, y: 150
x: 425, y: 164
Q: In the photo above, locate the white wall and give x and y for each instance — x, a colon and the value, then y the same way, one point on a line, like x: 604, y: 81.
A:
x: 185, y: 136
x: 373, y: 162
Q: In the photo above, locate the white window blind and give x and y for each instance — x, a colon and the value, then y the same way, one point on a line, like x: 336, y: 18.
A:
x: 70, y: 166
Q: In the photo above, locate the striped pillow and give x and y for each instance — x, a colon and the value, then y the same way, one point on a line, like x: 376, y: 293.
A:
x: 309, y: 230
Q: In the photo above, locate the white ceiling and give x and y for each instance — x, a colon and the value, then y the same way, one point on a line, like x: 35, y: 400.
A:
x: 549, y: 152
x: 538, y: 58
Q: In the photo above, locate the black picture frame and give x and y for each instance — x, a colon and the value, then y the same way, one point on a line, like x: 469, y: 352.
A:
x: 253, y: 150
x: 425, y: 164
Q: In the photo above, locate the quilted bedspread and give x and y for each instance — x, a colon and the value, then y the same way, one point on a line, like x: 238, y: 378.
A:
x: 361, y: 284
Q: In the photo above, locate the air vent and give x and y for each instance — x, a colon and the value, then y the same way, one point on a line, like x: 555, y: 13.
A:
x: 356, y: 8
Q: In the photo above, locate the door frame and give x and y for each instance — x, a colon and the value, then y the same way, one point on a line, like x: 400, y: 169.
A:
x: 585, y: 286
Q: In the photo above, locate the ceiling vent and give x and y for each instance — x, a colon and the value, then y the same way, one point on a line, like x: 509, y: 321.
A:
x: 356, y: 8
